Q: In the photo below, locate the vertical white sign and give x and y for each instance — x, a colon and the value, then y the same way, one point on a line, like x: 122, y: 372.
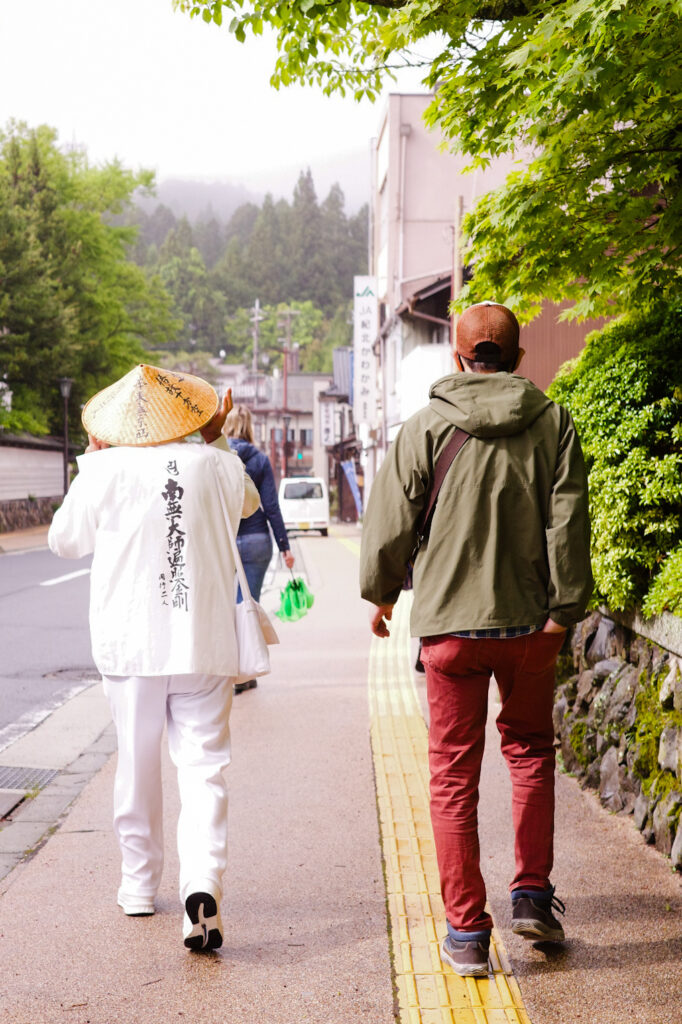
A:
x: 365, y: 329
x: 327, y: 438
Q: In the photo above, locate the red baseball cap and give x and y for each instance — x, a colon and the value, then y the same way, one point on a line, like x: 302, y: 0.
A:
x: 483, y: 326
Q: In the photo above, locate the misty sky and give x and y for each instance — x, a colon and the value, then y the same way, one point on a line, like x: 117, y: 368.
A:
x: 133, y: 79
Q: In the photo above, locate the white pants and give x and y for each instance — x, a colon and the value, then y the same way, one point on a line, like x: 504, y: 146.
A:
x: 196, y: 709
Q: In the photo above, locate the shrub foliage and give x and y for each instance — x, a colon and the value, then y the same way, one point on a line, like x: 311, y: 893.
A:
x: 625, y: 395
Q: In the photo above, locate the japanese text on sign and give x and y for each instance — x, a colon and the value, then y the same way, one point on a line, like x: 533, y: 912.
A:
x: 365, y: 328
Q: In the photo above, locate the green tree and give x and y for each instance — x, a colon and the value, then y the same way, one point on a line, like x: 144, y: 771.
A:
x: 209, y: 238
x: 588, y: 90
x: 71, y: 304
x: 267, y: 255
x: 344, y: 248
x: 196, y: 302
x: 332, y: 333
x: 254, y: 262
x: 157, y: 225
x: 298, y: 251
x: 238, y: 344
x: 242, y: 221
x: 592, y: 90
x: 231, y: 278
x: 309, y: 280
x: 152, y: 229
x: 312, y: 335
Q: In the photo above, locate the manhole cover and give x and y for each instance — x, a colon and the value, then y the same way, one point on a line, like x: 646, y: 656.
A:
x: 25, y: 778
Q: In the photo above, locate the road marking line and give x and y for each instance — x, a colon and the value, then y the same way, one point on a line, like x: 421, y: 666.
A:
x: 63, y: 579
x: 428, y: 991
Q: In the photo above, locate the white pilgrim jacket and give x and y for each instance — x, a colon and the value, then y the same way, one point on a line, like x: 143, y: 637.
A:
x: 162, y: 586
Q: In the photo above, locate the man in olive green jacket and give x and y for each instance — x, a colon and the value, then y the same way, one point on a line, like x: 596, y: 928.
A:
x: 503, y: 572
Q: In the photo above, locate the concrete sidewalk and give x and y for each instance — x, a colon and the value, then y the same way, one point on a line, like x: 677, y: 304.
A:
x: 304, y: 910
x: 306, y: 929
x: 23, y: 540
x: 622, y: 960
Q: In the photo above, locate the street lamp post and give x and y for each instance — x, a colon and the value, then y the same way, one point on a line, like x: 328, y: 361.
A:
x: 65, y: 389
x: 286, y: 420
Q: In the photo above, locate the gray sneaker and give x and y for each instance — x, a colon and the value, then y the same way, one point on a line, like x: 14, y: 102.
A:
x: 532, y: 915
x: 467, y: 958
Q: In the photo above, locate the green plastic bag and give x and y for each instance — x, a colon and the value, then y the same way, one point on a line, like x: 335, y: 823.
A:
x: 295, y: 600
x: 309, y: 598
x: 298, y: 599
x: 287, y: 611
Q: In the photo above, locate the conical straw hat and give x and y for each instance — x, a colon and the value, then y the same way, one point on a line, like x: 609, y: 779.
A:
x: 150, y: 406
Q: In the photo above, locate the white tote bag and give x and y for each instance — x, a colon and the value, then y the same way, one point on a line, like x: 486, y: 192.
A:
x: 253, y: 628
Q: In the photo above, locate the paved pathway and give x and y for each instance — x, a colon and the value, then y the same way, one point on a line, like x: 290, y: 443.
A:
x: 308, y: 938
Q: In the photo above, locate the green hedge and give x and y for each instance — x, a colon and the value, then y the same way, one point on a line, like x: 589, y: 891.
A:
x: 625, y: 395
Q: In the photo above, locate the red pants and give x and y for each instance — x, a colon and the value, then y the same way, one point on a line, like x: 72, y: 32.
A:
x: 458, y: 671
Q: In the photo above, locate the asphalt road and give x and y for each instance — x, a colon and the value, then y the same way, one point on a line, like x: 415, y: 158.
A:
x: 45, y: 652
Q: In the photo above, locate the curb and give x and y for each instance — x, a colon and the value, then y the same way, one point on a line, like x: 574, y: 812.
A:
x: 16, y: 542
x: 36, y: 819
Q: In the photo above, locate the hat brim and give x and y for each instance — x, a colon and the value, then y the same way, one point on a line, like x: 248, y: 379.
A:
x: 150, y: 406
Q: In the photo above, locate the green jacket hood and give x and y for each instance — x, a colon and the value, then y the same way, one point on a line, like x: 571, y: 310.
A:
x: 488, y: 405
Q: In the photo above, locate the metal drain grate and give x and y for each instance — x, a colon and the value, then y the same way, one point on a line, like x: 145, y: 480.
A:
x: 25, y: 778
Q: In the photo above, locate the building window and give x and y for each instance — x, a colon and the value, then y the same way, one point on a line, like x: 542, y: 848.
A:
x: 306, y: 438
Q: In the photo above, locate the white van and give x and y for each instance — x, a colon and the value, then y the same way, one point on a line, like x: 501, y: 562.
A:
x: 304, y: 503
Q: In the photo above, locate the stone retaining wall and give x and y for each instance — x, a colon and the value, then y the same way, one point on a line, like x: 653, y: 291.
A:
x: 24, y: 512
x: 618, y: 722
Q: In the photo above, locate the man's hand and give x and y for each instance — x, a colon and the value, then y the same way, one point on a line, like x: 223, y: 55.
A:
x: 214, y: 428
x: 94, y: 445
x: 378, y: 613
x: 288, y: 559
x: 553, y: 627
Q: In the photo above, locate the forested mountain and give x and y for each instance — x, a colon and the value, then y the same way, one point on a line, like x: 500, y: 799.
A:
x: 199, y: 200
x: 90, y: 283
x: 300, y: 253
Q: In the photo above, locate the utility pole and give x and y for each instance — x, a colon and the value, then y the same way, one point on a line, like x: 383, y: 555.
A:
x: 286, y: 349
x: 287, y: 314
x: 286, y: 418
x: 256, y: 316
x: 456, y: 286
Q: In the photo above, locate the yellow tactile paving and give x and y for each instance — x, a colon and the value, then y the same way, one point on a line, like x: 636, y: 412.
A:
x: 352, y: 545
x: 428, y: 992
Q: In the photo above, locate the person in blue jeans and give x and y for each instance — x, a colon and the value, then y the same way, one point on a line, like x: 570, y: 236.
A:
x: 253, y: 539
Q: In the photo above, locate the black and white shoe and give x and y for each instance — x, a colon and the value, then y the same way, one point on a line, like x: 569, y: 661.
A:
x: 250, y: 684
x: 202, y: 927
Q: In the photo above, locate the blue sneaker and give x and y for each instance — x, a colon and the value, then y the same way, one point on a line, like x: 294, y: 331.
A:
x: 532, y: 915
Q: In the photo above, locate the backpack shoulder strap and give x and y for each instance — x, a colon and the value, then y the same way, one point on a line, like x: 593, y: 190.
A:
x: 445, y: 460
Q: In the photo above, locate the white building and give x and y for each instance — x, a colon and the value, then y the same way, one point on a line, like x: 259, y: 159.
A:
x: 280, y: 403
x: 419, y: 194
